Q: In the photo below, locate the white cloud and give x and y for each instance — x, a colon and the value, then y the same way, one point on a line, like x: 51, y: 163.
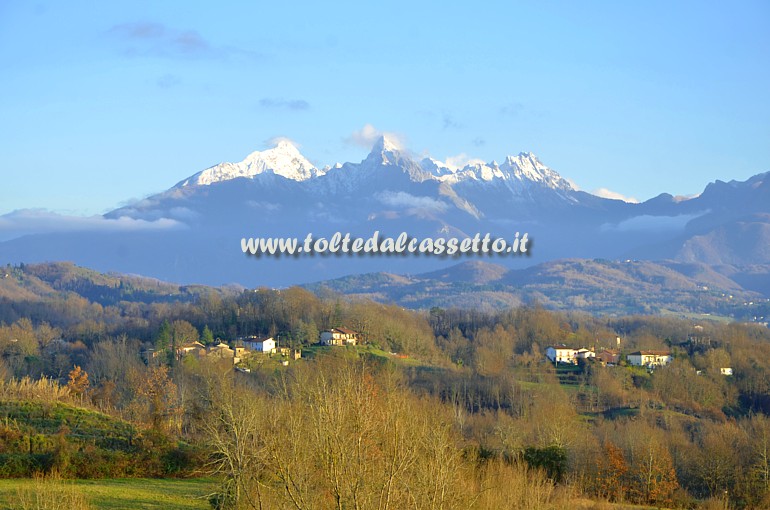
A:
x: 403, y: 200
x: 284, y: 104
x: 272, y: 142
x: 39, y: 221
x: 683, y: 198
x: 651, y: 223
x: 367, y: 135
x: 613, y: 195
x: 182, y: 213
x: 461, y: 161
x: 572, y: 183
x: 263, y: 205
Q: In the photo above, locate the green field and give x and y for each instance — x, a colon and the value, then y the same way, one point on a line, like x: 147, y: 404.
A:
x: 126, y: 494
x: 313, y: 351
x: 176, y: 494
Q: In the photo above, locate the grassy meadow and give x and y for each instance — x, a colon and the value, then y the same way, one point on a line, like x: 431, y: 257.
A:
x: 114, y: 494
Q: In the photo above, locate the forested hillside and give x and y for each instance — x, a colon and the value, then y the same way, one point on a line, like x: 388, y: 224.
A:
x: 445, y: 408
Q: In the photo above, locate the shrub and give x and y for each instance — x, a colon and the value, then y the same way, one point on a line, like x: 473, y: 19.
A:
x: 551, y: 459
x: 50, y: 493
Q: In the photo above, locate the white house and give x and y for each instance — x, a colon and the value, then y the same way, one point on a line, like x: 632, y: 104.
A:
x: 561, y: 354
x: 649, y: 358
x: 726, y: 371
x: 339, y: 336
x: 257, y: 344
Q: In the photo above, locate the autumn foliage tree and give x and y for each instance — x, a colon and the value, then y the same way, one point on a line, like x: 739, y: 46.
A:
x: 338, y: 436
x: 77, y: 383
x: 653, y: 479
x: 611, y: 473
x: 157, y: 401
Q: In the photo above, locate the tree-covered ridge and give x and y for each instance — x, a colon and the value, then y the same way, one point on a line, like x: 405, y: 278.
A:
x: 467, y: 387
x: 597, y: 286
x: 36, y: 281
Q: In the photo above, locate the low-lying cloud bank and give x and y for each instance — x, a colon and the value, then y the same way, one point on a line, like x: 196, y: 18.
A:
x: 24, y: 222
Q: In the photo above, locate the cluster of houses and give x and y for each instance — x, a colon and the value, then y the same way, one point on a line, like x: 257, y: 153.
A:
x: 563, y: 354
x: 558, y: 354
x: 245, y: 346
x: 341, y: 336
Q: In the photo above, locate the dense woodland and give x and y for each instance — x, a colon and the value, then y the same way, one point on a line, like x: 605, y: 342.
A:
x: 442, y: 408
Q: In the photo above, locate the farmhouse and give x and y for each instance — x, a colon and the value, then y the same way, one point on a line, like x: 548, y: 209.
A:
x: 649, y: 358
x: 220, y: 350
x: 560, y: 354
x: 563, y: 354
x: 608, y: 357
x: 339, y: 336
x: 259, y: 344
x: 191, y: 348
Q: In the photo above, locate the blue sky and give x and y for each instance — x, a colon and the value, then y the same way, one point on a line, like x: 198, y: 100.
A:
x: 103, y: 102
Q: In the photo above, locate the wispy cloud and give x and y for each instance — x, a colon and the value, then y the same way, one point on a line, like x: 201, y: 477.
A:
x: 264, y: 205
x: 168, y: 81
x: 613, y: 195
x: 367, y: 135
x: 284, y: 104
x: 140, y: 30
x: 651, y: 223
x: 272, y: 142
x: 147, y: 38
x: 512, y: 109
x: 413, y: 203
x: 39, y: 221
x: 449, y: 122
x: 572, y: 183
x: 461, y: 160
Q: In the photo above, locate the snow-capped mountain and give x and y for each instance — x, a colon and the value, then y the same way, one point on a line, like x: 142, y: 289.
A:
x: 197, y: 225
x: 518, y: 172
x: 524, y: 169
x: 284, y: 160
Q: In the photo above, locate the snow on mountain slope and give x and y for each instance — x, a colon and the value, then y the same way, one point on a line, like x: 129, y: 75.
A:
x: 518, y: 173
x: 386, y: 166
x: 436, y: 167
x: 516, y: 170
x: 284, y: 160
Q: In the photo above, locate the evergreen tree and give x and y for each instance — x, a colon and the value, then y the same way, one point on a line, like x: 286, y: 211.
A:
x: 207, y: 337
x: 163, y: 338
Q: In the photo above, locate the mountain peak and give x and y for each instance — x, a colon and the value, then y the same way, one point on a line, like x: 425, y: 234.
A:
x: 527, y: 167
x: 386, y: 151
x: 386, y: 143
x: 519, y: 173
x: 284, y: 159
x: 524, y: 159
x: 286, y: 146
x: 283, y: 154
